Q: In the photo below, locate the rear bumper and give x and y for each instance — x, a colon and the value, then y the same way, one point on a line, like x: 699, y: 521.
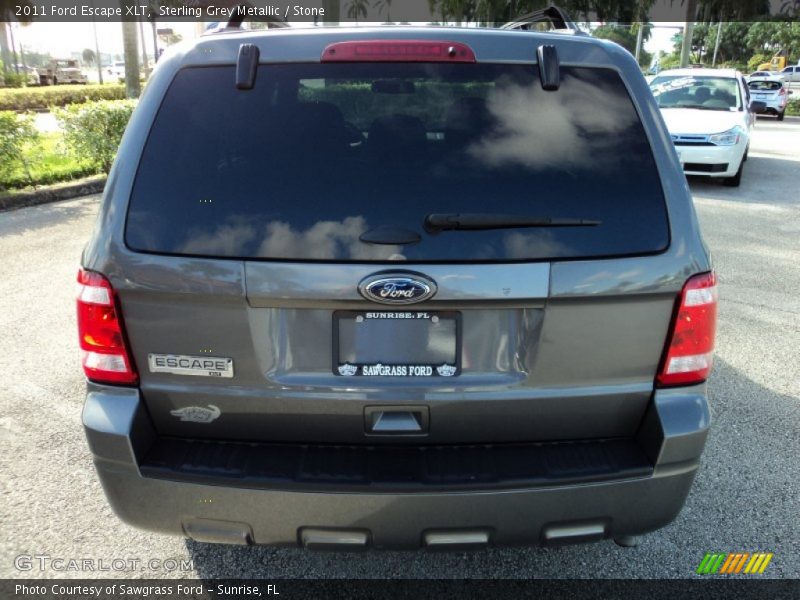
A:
x: 774, y: 108
x: 672, y: 435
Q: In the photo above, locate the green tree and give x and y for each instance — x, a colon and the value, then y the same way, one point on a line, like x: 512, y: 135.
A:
x: 93, y: 131
x: 647, y: 30
x: 17, y: 134
x: 386, y: 5
x: 36, y: 59
x: 625, y: 36
x: 697, y: 46
x: 732, y: 10
x: 669, y: 61
x: 757, y: 59
x: 501, y: 11
x: 772, y: 37
x: 790, y: 7
x: 731, y: 48
x: 619, y: 34
x: 740, y: 41
x: 700, y: 46
x: 88, y: 56
x: 356, y: 9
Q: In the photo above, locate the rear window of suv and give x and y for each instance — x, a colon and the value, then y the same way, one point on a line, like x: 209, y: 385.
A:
x: 317, y: 156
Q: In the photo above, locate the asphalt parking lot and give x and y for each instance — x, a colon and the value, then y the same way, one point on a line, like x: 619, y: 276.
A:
x: 745, y: 497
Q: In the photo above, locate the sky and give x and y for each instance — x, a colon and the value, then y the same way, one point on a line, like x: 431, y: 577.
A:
x: 61, y: 39
x: 661, y: 37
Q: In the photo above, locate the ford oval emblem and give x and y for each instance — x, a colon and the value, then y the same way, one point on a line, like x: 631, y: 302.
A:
x: 397, y: 288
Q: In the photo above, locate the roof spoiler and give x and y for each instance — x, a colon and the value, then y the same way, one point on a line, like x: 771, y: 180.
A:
x: 557, y: 17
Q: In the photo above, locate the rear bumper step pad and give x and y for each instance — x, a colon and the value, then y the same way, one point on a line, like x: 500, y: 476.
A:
x: 393, y: 468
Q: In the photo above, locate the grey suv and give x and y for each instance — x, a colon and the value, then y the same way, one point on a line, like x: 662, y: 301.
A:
x: 397, y: 288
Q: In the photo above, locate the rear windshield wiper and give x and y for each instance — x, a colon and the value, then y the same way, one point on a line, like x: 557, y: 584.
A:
x: 482, y: 221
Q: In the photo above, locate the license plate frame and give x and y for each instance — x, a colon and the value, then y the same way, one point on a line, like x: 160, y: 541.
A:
x: 391, y: 369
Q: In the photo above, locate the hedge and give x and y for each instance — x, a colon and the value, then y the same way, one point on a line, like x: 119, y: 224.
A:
x: 757, y: 59
x: 33, y: 98
x: 17, y: 133
x: 793, y: 106
x: 93, y: 131
x: 31, y: 158
x: 46, y: 174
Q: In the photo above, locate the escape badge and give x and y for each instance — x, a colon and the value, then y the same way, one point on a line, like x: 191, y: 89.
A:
x: 181, y: 364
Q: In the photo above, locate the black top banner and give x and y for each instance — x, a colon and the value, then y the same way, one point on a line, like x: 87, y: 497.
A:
x: 443, y: 12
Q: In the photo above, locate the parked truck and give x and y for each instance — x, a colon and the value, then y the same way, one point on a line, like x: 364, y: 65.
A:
x: 62, y: 70
x: 777, y: 63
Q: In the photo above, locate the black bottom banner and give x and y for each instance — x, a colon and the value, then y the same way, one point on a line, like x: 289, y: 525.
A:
x: 247, y: 589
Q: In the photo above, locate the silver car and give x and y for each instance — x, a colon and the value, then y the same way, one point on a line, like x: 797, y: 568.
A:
x: 773, y: 92
x: 791, y: 74
x: 397, y: 288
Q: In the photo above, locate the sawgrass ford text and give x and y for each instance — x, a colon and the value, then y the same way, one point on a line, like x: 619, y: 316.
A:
x: 144, y: 591
x: 182, y: 12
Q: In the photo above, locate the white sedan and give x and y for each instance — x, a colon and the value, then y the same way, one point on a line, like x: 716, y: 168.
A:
x: 709, y: 116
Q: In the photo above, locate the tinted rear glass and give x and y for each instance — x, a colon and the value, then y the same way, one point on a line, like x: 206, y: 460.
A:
x: 765, y: 86
x: 315, y: 156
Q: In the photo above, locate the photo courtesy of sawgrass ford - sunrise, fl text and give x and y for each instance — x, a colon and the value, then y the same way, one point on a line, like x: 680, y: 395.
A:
x: 399, y: 299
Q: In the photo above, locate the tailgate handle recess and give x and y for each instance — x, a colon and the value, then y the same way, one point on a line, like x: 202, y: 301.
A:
x: 408, y: 420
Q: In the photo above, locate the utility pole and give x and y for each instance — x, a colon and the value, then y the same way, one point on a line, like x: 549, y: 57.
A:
x: 144, y: 48
x: 151, y: 16
x: 14, y: 47
x: 716, y: 45
x: 639, y: 40
x: 155, y: 40
x: 5, y: 52
x: 97, y: 58
x: 688, y: 30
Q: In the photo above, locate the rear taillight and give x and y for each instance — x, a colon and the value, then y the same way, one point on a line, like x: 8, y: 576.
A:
x: 688, y: 357
x: 105, y: 355
x: 782, y: 91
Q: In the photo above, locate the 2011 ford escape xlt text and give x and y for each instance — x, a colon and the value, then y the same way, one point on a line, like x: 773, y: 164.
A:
x: 397, y: 288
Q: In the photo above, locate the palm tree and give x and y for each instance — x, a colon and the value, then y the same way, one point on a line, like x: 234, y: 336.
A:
x: 387, y: 4
x: 8, y: 9
x: 130, y: 44
x: 790, y: 7
x: 688, y: 27
x: 465, y: 11
x: 88, y: 56
x: 357, y: 8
